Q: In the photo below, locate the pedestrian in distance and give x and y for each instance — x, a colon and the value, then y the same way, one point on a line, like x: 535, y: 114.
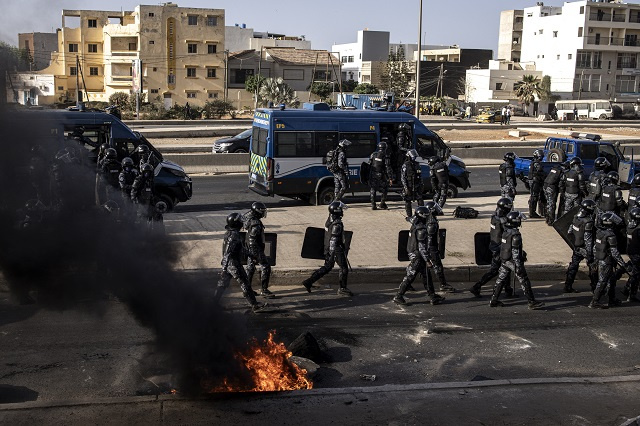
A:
x: 335, y: 250
x: 583, y: 229
x: 338, y: 165
x: 412, y: 185
x: 419, y: 258
x: 233, y: 249
x: 513, y: 258
x: 255, y: 241
x: 507, y: 173
x: 380, y: 175
x: 508, y: 115
x: 503, y: 115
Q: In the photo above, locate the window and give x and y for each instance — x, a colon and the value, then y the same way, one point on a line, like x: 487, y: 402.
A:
x: 555, y: 34
x: 580, y: 31
x: 322, y: 75
x: 596, y: 60
x: 154, y: 91
x: 154, y: 69
x: 212, y: 48
x: 519, y: 19
x: 93, y: 70
x: 211, y: 73
x: 151, y: 14
x: 213, y: 95
x: 540, y: 32
x: 193, y: 19
x: 60, y: 87
x: 73, y: 71
x: 259, y: 141
x: 92, y: 23
x: 569, y: 56
x: 350, y: 59
x: 581, y: 10
x: 516, y: 40
x: 558, y: 57
x: 73, y: 47
x: 343, y: 59
x: 362, y: 144
x: 627, y: 60
x: 626, y: 84
x: 294, y: 144
x: 171, y: 79
x: 498, y: 86
x: 152, y: 42
x: 212, y: 21
x: 192, y: 95
x: 133, y: 46
x: 240, y: 76
x: 192, y: 48
x: 92, y: 48
x: 191, y: 72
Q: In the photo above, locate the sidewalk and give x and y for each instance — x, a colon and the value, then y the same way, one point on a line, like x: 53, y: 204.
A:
x: 373, y: 254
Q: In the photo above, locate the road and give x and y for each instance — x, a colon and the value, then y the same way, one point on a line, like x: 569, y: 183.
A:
x: 229, y: 191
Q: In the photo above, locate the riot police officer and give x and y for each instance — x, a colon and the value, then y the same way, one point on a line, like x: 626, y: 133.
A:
x: 439, y: 173
x: 127, y: 176
x: 380, y: 174
x: 513, y: 258
x: 233, y: 250
x: 633, y: 251
x: 634, y: 193
x: 142, y: 192
x: 110, y: 172
x: 595, y: 178
x: 535, y: 180
x: 335, y: 250
x: 255, y: 247
x: 607, y: 255
x: 144, y: 155
x: 419, y: 257
x: 611, y: 199
x: 412, y: 185
x: 550, y: 188
x: 572, y: 185
x: 583, y: 230
x: 404, y: 143
x: 340, y: 170
x: 433, y: 246
x: 507, y: 172
x: 498, y: 220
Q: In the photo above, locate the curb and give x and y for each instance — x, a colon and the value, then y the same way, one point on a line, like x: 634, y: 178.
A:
x: 333, y: 391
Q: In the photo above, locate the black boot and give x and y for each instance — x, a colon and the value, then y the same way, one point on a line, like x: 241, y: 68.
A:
x: 475, y: 290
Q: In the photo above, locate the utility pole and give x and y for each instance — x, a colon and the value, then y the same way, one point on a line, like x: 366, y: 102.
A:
x: 78, y: 94
x: 440, y: 78
x: 580, y: 87
x: 226, y: 75
x: 418, y: 62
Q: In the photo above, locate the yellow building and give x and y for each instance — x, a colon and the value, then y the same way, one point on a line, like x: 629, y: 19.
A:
x: 181, y: 50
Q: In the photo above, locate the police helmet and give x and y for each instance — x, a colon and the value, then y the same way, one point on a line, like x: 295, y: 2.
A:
x: 601, y: 163
x: 423, y: 212
x: 234, y: 221
x: 404, y: 126
x: 509, y: 156
x: 514, y: 220
x: 127, y: 162
x: 142, y: 149
x: 433, y: 207
x: 575, y: 161
x: 344, y: 143
x: 538, y: 154
x: 111, y: 154
x: 259, y: 208
x: 104, y: 147
x: 613, y: 177
x: 565, y: 165
x: 634, y: 214
x: 432, y: 160
x: 382, y: 146
x: 412, y: 153
x: 588, y: 205
x: 636, y: 180
x: 608, y: 219
x: 505, y: 204
x: 161, y: 207
x: 337, y: 208
x: 146, y: 169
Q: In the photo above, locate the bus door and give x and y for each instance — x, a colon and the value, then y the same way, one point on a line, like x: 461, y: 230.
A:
x: 364, y: 142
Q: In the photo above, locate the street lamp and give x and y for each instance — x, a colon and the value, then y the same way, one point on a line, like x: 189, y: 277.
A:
x: 418, y: 62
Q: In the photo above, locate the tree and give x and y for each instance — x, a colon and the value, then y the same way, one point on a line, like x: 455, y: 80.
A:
x: 121, y: 100
x: 349, y: 85
x: 321, y: 89
x: 253, y: 83
x: 545, y: 87
x: 395, y: 76
x: 464, y: 87
x: 528, y: 89
x: 366, y: 89
x: 217, y: 108
x: 277, y: 91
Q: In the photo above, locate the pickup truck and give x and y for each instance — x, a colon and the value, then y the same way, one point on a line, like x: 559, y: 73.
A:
x: 588, y: 147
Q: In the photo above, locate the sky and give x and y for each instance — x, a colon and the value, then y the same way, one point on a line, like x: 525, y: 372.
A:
x: 467, y: 23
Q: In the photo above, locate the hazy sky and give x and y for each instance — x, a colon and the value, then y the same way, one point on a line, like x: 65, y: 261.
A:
x: 468, y: 23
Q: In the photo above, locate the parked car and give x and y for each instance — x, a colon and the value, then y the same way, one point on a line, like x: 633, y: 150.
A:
x: 490, y: 116
x: 236, y: 144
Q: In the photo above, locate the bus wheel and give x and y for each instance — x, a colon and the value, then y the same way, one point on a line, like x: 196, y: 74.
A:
x: 602, y: 117
x: 325, y: 196
x: 452, y: 191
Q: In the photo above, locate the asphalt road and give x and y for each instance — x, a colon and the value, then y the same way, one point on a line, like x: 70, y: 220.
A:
x: 98, y: 350
x: 229, y: 191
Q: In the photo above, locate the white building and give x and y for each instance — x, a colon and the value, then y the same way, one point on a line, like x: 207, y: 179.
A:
x: 238, y: 38
x: 588, y: 48
x: 31, y: 88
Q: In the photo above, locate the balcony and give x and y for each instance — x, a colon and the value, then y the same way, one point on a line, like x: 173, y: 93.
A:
x: 120, y: 80
x: 607, y: 41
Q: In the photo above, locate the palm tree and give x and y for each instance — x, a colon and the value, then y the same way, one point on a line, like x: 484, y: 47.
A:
x: 277, y: 91
x: 528, y: 89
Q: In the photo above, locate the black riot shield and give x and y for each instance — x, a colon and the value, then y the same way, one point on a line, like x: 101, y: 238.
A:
x: 270, y: 247
x: 562, y: 224
x: 364, y: 173
x: 481, y: 241
x: 403, y: 238
x: 313, y: 244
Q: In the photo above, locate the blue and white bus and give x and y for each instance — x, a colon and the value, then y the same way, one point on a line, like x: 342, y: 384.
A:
x: 288, y: 147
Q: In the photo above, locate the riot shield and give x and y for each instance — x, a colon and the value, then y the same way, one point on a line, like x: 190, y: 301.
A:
x: 403, y: 238
x: 481, y: 241
x: 562, y: 224
x: 313, y: 244
x: 270, y: 247
x: 364, y: 173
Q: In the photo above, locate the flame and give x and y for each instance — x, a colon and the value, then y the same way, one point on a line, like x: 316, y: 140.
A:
x: 270, y: 369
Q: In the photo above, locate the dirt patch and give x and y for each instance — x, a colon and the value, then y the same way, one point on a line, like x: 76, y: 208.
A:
x: 483, y: 135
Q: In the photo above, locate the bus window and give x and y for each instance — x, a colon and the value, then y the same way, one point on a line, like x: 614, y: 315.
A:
x: 259, y: 141
x: 325, y: 142
x: 362, y: 144
x: 294, y: 144
x: 426, y: 147
x: 588, y: 151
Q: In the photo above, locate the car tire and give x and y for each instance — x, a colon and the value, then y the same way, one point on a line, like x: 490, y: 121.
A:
x: 325, y: 196
x: 556, y: 155
x: 452, y: 191
x: 603, y: 117
x: 240, y: 151
x: 168, y: 200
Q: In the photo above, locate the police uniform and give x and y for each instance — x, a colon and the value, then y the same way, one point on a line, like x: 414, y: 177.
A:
x: 433, y: 231
x: 380, y: 173
x: 536, y: 179
x: 110, y: 173
x: 583, y: 230
x: 611, y: 199
x: 634, y: 197
x: 573, y: 188
x: 439, y: 173
x: 607, y: 255
x: 341, y: 175
x: 595, y: 184
x: 255, y: 251
x: 142, y: 194
x: 633, y: 251
x: 412, y: 185
x: 550, y: 187
x: 507, y: 172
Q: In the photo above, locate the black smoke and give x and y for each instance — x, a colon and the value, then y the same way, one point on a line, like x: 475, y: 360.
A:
x: 58, y: 246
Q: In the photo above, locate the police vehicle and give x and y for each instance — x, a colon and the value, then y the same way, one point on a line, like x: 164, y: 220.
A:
x: 288, y: 147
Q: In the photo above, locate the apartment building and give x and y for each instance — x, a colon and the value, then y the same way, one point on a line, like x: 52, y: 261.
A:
x: 510, y: 37
x: 238, y: 38
x: 588, y: 48
x: 494, y: 84
x: 39, y: 46
x: 181, y: 50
